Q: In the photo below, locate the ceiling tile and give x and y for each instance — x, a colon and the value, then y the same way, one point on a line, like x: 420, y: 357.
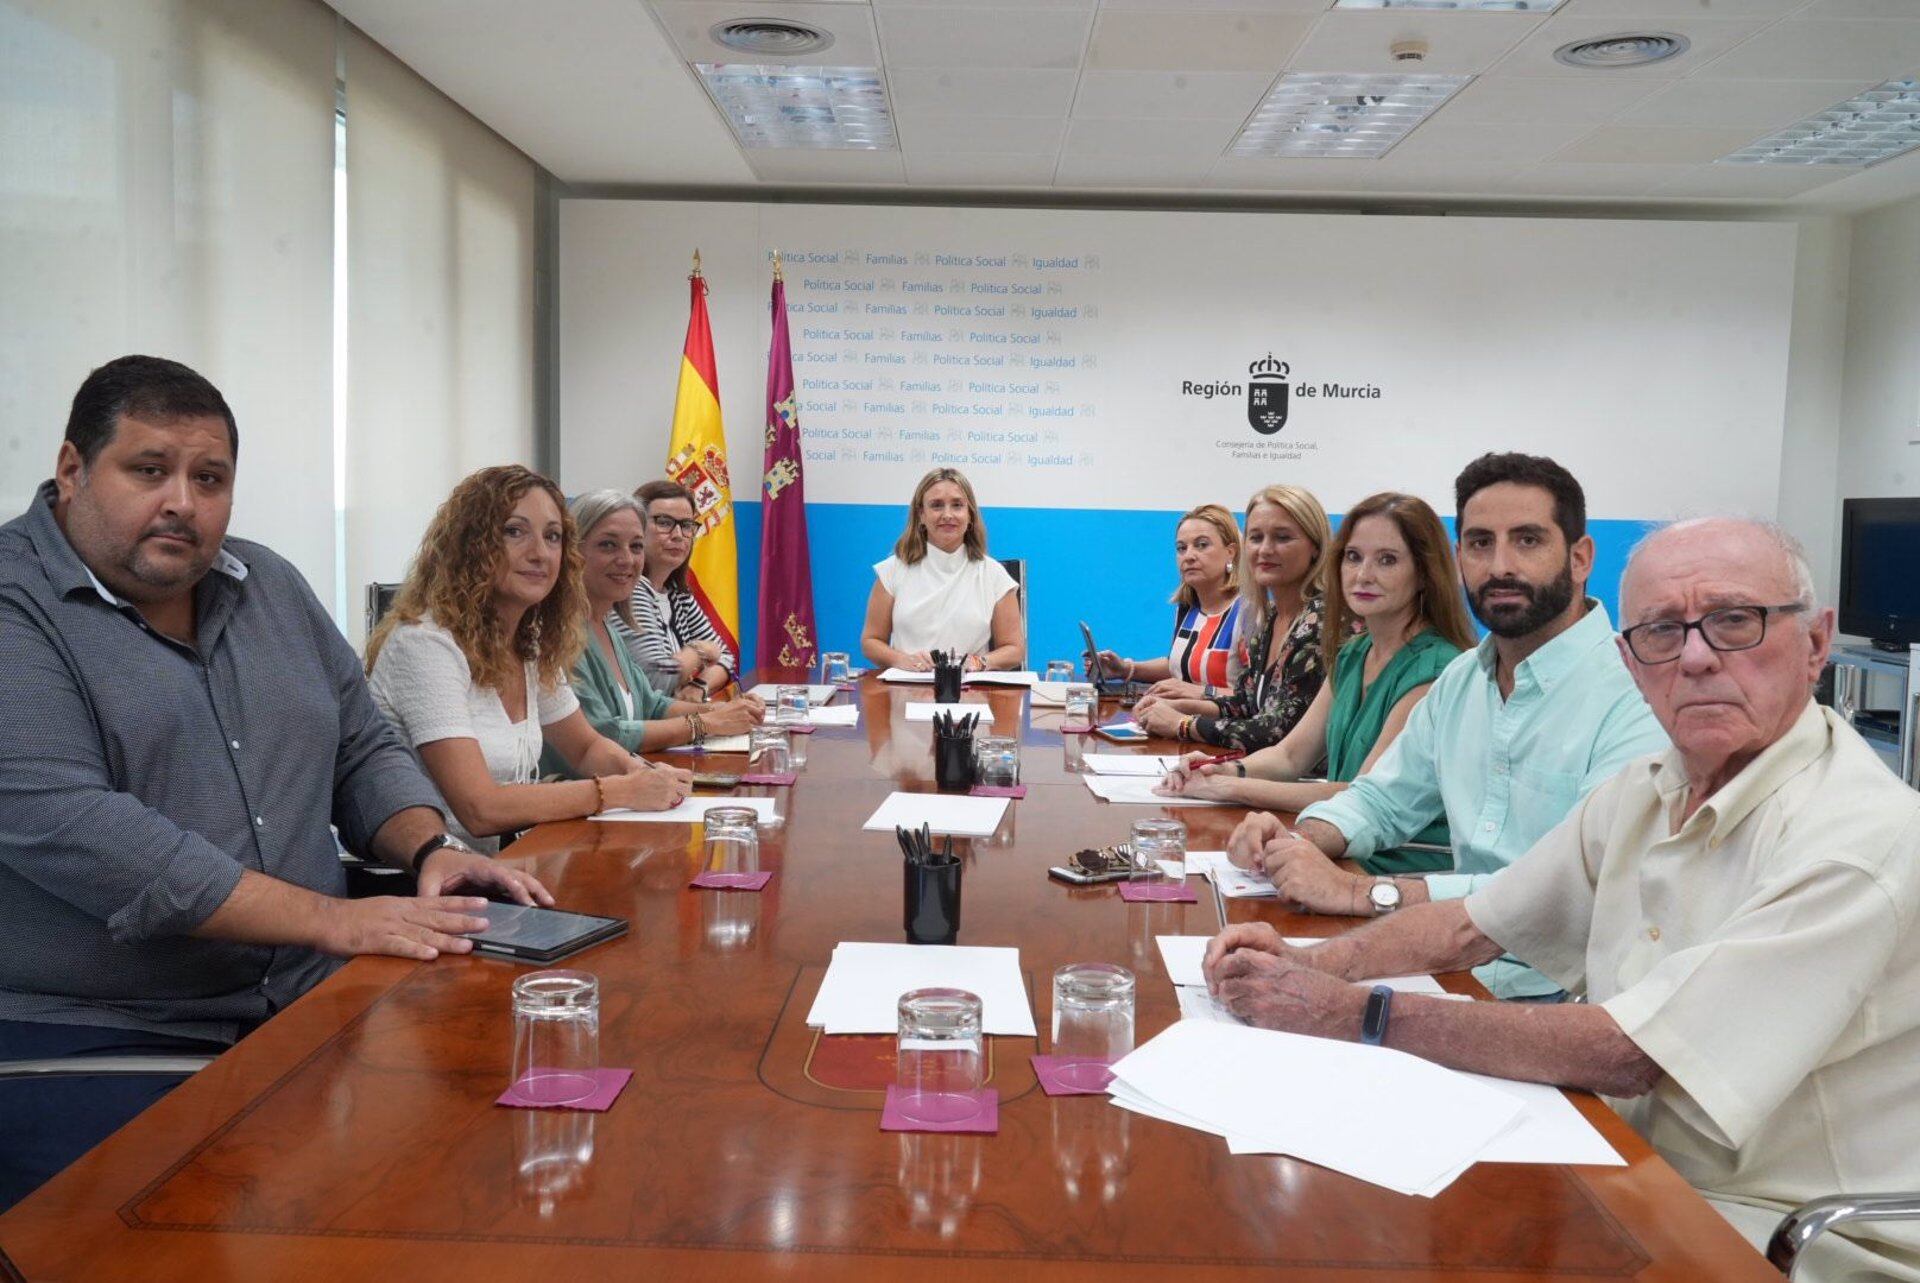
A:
x: 986, y: 169
x: 1014, y: 135
x: 1545, y: 100
x: 1009, y: 91
x: 944, y: 38
x: 1899, y: 9
x: 976, y: 4
x: 1390, y: 175
x: 1757, y: 106
x: 1183, y: 170
x: 1751, y: 182
x: 1309, y: 7
x: 808, y: 166
x: 1838, y: 50
x: 1709, y: 37
x: 1513, y: 145
x: 1173, y: 40
x: 1205, y: 139
x: 1626, y: 145
x: 1683, y: 8
x: 690, y: 22
x: 1170, y: 95
x: 1361, y: 40
x: 1603, y: 182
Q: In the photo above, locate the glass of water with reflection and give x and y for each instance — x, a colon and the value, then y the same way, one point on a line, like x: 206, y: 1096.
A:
x: 730, y: 841
x: 835, y: 667
x: 941, y: 1056
x: 790, y: 706
x: 768, y: 750
x: 1059, y: 670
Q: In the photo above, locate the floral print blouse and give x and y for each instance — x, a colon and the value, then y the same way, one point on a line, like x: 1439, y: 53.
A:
x: 1267, y: 702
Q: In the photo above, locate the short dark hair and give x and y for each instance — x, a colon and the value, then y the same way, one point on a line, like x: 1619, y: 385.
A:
x: 143, y: 387
x: 1569, y: 500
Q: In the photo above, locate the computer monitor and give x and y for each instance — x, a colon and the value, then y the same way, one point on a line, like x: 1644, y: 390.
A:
x: 1880, y: 570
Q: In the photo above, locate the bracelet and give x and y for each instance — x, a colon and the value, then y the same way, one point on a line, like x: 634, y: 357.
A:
x: 1130, y: 666
x: 599, y: 795
x: 695, y: 730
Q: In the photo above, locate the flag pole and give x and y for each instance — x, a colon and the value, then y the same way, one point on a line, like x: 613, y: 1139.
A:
x: 776, y: 267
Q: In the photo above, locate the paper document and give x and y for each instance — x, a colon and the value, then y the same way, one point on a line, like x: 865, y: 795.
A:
x: 1151, y: 765
x: 927, y: 712
x: 1220, y: 1076
x: 693, y: 810
x: 989, y: 678
x: 835, y: 715
x: 1184, y: 954
x: 974, y: 817
x: 1050, y: 694
x: 816, y: 694
x: 1234, y: 882
x: 1137, y: 790
x: 860, y: 993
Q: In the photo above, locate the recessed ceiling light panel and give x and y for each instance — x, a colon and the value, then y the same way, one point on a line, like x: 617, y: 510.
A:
x: 1630, y: 49
x: 1463, y: 6
x: 1341, y: 116
x: 1877, y: 125
x: 771, y: 37
x: 831, y: 108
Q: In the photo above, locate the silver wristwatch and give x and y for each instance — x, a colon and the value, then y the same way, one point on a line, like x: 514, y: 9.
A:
x: 1384, y: 895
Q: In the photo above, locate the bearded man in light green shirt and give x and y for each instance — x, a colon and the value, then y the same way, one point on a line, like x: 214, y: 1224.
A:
x: 1512, y: 735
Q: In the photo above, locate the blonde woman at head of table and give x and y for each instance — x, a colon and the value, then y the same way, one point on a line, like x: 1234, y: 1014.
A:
x: 940, y: 590
x: 1396, y: 575
x: 471, y: 665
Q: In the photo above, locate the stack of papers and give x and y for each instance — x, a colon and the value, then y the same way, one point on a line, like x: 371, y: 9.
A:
x: 972, y: 817
x: 815, y: 694
x: 1137, y: 790
x: 1234, y: 882
x: 990, y: 677
x: 1219, y: 1078
x: 835, y: 715
x: 1183, y: 955
x: 693, y: 810
x: 1154, y: 765
x: 860, y: 993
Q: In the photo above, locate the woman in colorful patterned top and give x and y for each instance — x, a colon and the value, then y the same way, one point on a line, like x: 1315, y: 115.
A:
x: 1397, y: 578
x: 1274, y: 666
x: 1206, y: 609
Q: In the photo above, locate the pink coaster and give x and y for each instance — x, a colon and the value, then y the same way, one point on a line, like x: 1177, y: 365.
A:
x: 780, y: 777
x: 733, y: 881
x: 1062, y: 1077
x: 847, y: 688
x: 806, y: 729
x: 986, y: 1121
x: 608, y: 1084
x: 997, y: 790
x: 1170, y: 892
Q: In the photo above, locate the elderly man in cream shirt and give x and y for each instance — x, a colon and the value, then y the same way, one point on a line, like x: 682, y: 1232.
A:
x: 1739, y: 913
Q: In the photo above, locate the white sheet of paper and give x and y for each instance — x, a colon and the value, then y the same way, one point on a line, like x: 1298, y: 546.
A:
x: 714, y: 744
x: 1234, y: 882
x: 835, y: 715
x: 816, y: 694
x: 1152, y: 765
x: 1184, y: 954
x: 927, y: 712
x: 691, y: 811
x: 1137, y: 790
x: 1050, y: 694
x: 973, y: 817
x: 990, y: 678
x: 860, y: 993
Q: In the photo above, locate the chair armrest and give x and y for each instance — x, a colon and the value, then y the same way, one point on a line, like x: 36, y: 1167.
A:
x: 1801, y: 1226
x: 99, y: 1066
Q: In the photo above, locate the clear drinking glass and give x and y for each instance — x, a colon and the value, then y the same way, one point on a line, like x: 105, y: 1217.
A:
x: 1157, y: 840
x: 1092, y: 1021
x: 1082, y: 702
x: 556, y: 1036
x: 731, y: 841
x: 1059, y: 670
x: 942, y: 1055
x: 769, y: 750
x: 996, y: 761
x: 836, y: 666
x: 790, y: 707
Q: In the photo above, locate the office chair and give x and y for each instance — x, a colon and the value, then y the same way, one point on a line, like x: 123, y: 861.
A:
x: 379, y: 601
x: 1017, y: 567
x: 1798, y: 1228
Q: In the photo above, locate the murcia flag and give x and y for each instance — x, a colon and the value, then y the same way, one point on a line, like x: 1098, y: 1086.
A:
x: 697, y: 459
x: 787, y: 635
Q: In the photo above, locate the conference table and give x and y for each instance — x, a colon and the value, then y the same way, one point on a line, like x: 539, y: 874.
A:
x: 356, y: 1136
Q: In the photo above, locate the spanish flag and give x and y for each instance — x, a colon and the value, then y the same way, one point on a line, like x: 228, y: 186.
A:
x: 697, y: 459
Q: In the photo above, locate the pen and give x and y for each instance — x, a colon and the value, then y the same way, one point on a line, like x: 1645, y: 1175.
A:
x: 1220, y: 759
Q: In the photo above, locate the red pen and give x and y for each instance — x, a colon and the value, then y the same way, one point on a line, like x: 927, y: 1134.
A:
x: 1221, y: 760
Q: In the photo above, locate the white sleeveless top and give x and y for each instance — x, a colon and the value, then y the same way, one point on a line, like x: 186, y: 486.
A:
x: 944, y: 601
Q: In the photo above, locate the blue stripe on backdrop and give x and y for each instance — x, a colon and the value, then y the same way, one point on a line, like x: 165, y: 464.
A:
x: 1113, y: 569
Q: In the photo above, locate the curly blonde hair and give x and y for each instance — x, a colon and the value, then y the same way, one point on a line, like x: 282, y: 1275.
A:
x: 452, y: 576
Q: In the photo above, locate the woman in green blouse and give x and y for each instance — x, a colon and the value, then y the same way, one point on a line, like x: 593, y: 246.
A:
x: 1397, y: 578
x: 616, y: 697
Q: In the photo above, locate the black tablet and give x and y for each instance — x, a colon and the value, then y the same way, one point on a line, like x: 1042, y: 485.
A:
x: 528, y: 933
x: 1095, y: 673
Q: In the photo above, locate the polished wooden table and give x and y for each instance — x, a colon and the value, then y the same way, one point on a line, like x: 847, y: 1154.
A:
x: 355, y: 1136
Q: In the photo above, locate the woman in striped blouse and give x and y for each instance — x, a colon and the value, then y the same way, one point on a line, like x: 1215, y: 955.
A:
x: 674, y: 644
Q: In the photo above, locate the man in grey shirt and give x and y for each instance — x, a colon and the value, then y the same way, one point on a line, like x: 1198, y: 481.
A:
x: 184, y: 723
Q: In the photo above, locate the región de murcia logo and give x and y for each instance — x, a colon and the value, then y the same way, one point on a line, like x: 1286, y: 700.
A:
x: 1267, y: 395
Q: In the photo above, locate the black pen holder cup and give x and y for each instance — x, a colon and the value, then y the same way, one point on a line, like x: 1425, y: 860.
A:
x: 946, y: 683
x: 953, y: 762
x: 933, y: 902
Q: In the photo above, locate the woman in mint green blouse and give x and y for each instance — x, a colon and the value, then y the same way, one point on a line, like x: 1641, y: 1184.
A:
x: 615, y: 695
x: 1398, y: 580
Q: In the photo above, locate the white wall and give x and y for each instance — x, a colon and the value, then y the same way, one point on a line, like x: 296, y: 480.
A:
x: 1878, y: 454
x: 1809, y: 503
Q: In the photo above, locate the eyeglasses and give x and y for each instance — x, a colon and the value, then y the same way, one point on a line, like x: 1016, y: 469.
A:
x: 1729, y: 628
x: 667, y: 525
x: 1107, y: 859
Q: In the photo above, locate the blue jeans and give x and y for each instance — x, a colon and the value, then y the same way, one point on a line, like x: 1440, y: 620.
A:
x: 46, y: 1123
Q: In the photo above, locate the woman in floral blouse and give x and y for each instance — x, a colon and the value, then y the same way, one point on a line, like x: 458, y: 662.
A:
x: 1276, y: 666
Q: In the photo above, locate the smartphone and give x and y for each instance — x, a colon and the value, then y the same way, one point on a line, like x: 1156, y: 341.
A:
x: 1122, y: 734
x: 1061, y: 873
x: 715, y: 780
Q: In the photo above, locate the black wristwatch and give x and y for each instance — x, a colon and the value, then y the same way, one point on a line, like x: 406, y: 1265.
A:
x: 433, y: 844
x: 1373, y: 1025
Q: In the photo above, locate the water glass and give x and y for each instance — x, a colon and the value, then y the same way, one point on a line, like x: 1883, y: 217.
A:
x: 790, y: 706
x: 1157, y: 840
x: 769, y: 750
x: 556, y: 1036
x: 1092, y: 1021
x: 836, y: 666
x: 1059, y: 670
x: 730, y: 842
x: 941, y: 1060
x: 1082, y: 702
x: 996, y: 761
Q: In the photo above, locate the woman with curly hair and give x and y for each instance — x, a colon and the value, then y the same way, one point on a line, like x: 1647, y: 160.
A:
x: 471, y: 665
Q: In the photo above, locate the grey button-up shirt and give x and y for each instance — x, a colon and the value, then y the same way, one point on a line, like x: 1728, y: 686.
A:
x: 139, y: 776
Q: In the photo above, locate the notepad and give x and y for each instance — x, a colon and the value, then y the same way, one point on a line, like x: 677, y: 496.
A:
x: 1137, y: 790
x: 1184, y: 954
x: 692, y: 811
x: 974, y: 817
x: 860, y: 994
x: 716, y: 744
x: 816, y: 694
x: 1153, y: 765
x: 1233, y: 881
x: 990, y: 677
x: 835, y: 715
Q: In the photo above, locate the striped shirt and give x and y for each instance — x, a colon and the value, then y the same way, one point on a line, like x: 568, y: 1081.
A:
x: 670, y: 620
x: 1202, y: 646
